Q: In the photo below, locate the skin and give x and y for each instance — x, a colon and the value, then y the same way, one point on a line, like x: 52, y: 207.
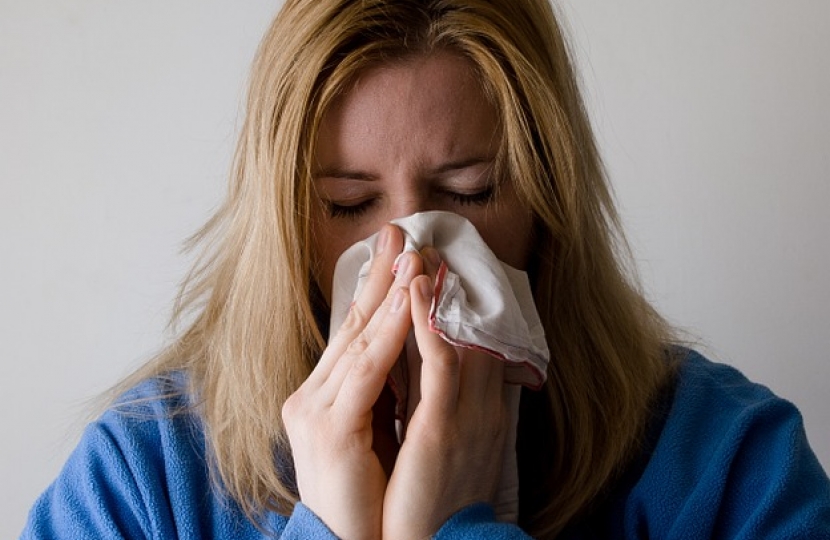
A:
x: 410, y: 136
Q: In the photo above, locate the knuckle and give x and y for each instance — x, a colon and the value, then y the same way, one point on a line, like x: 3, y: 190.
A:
x: 291, y: 408
x: 493, y: 426
x: 356, y: 319
x: 358, y: 345
x: 365, y: 364
x: 300, y: 405
x: 447, y: 362
x: 378, y: 269
x: 496, y: 428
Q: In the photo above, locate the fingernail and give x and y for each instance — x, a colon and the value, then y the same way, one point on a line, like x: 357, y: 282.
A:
x: 425, y: 287
x: 383, y: 240
x: 401, y: 265
x: 397, y: 300
x: 432, y: 257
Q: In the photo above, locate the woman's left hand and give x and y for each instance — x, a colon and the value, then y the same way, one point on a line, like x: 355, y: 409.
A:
x: 452, y: 454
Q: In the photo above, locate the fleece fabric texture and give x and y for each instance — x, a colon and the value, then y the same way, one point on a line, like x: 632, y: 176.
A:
x: 730, y: 461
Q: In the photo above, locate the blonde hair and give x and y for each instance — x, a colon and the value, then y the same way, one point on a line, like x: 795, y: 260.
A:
x: 252, y: 301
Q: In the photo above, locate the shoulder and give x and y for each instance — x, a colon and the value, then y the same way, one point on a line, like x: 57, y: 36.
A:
x: 732, y: 456
x: 712, y: 400
x: 150, y: 427
x: 140, y: 470
x: 160, y: 409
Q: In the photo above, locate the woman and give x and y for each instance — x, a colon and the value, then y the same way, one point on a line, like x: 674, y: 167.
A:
x: 253, y: 423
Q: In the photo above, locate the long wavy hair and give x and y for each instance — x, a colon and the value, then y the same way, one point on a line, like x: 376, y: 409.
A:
x: 252, y: 307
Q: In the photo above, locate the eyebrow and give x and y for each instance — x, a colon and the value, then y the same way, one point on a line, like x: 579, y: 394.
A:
x: 347, y: 174
x: 461, y: 164
x: 336, y: 172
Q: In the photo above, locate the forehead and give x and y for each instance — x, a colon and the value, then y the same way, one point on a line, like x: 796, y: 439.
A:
x: 399, y: 102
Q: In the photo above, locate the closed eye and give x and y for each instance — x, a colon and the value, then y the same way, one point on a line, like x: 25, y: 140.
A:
x: 357, y: 209
x: 350, y: 211
x: 479, y: 198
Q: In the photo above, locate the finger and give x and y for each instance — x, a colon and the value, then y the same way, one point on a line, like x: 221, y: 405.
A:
x: 375, y: 290
x: 481, y: 373
x: 407, y: 266
x: 413, y: 383
x: 432, y: 260
x: 482, y: 378
x: 370, y: 359
x: 440, y: 366
x: 377, y: 284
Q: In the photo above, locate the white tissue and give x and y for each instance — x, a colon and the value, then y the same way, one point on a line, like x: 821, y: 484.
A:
x: 479, y: 302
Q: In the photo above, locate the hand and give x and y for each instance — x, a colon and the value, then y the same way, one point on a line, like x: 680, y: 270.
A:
x: 452, y: 454
x: 329, y: 418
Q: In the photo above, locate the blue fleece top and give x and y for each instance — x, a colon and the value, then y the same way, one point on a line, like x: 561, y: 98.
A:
x: 730, y: 460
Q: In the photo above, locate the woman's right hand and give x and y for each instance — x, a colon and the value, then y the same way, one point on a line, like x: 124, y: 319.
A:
x: 329, y: 418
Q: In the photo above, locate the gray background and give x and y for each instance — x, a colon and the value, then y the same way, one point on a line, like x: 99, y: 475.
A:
x: 118, y: 119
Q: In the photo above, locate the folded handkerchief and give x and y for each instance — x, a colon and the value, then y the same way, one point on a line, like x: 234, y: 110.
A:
x: 479, y: 302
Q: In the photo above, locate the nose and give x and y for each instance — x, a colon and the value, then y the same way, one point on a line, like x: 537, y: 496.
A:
x: 409, y: 201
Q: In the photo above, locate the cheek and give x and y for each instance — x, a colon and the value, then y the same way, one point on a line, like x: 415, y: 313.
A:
x: 508, y: 230
x: 327, y: 251
x: 331, y: 238
x: 326, y: 247
x: 509, y: 241
x: 325, y: 274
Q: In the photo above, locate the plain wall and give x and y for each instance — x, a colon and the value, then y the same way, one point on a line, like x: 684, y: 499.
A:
x: 118, y: 120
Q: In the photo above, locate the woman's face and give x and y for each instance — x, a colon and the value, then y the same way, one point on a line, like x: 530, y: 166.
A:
x: 412, y: 136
